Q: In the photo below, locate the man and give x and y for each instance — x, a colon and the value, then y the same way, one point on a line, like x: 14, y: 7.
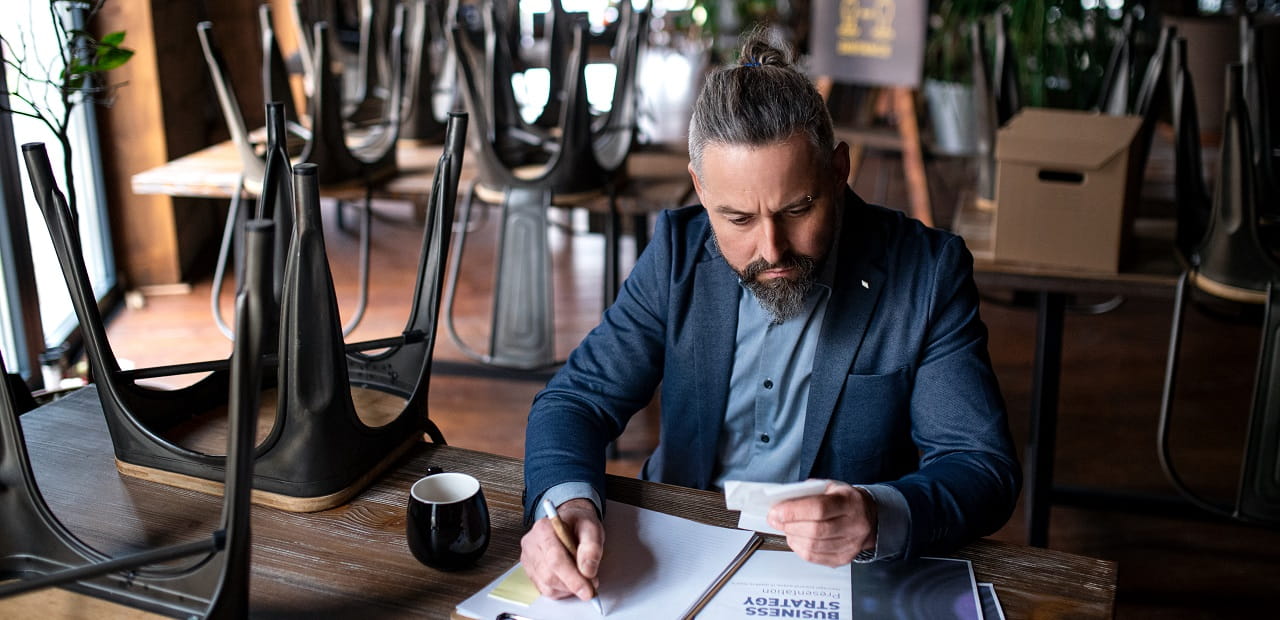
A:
x: 796, y: 332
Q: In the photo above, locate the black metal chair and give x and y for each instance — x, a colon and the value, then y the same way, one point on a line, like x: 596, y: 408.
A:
x: 319, y: 452
x: 1114, y: 97
x: 1004, y: 72
x: 326, y: 142
x: 37, y: 551
x: 1260, y: 57
x: 340, y: 157
x: 1233, y: 264
x: 583, y: 163
x: 431, y: 72
x: 1191, y: 194
x: 986, y: 112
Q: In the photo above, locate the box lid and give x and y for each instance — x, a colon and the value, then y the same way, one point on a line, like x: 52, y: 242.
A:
x: 1070, y: 138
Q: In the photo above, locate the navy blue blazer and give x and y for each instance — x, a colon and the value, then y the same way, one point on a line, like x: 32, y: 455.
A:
x: 902, y: 389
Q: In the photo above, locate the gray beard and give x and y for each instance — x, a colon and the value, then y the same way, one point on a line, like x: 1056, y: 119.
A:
x: 782, y: 298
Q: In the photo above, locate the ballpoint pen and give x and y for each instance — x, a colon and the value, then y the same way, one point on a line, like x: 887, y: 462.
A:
x: 563, y: 534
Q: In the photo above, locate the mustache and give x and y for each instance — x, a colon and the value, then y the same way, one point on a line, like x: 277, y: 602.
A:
x: 803, y: 264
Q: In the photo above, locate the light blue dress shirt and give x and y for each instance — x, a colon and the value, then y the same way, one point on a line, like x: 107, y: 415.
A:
x: 763, y: 427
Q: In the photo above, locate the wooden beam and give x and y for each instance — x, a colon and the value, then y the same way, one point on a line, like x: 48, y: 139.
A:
x: 165, y: 109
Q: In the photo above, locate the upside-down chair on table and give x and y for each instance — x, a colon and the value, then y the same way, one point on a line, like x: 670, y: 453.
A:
x: 528, y: 169
x: 37, y: 551
x: 319, y: 451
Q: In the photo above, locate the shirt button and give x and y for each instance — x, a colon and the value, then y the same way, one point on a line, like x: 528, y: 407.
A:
x: 768, y: 384
x: 764, y: 438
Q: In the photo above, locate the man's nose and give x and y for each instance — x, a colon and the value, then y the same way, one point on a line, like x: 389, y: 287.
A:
x: 773, y: 241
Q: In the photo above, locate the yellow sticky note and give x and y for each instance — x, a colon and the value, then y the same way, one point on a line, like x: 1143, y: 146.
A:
x: 516, y: 588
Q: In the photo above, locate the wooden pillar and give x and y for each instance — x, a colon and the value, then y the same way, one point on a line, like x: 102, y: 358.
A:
x: 166, y: 109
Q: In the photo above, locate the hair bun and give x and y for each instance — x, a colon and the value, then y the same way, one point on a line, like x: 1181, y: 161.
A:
x: 757, y: 51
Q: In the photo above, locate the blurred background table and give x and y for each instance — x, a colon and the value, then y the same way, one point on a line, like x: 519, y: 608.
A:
x: 657, y: 177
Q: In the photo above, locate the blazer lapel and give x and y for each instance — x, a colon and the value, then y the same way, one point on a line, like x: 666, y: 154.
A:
x: 714, y: 308
x: 859, y: 278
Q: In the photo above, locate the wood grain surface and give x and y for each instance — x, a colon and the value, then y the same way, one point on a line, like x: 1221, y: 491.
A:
x: 352, y: 560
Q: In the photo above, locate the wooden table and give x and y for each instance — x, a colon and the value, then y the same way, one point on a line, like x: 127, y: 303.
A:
x: 353, y: 560
x: 1151, y: 271
x: 657, y: 179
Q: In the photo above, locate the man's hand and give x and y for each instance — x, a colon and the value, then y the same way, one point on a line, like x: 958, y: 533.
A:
x: 830, y: 528
x: 549, y: 564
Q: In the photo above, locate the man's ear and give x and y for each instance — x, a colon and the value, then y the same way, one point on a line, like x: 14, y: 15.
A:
x: 697, y: 185
x: 840, y: 164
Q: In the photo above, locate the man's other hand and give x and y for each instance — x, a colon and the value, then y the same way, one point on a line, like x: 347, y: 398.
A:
x: 830, y: 528
x: 549, y: 564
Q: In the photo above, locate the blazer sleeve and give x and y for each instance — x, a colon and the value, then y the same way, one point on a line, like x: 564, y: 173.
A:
x: 612, y: 374
x: 968, y: 480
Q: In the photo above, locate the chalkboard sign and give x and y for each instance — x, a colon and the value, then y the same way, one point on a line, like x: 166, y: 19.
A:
x: 871, y: 42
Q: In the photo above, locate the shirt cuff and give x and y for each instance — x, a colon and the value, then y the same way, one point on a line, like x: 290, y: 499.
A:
x: 566, y: 491
x: 893, y: 522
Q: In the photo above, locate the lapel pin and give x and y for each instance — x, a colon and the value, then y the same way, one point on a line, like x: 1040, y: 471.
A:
x: 865, y: 285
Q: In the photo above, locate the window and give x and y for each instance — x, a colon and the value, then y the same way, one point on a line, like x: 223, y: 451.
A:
x: 29, y: 29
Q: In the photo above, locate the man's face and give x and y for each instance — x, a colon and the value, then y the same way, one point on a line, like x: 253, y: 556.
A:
x: 773, y: 211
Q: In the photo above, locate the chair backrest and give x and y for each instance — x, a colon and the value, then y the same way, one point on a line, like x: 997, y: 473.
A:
x: 559, y: 28
x: 571, y: 165
x: 1191, y: 194
x: 430, y: 69
x: 1004, y: 71
x: 1146, y: 103
x: 1259, y: 56
x: 275, y: 76
x: 1233, y: 261
x: 328, y: 147
x: 985, y: 113
x: 1114, y: 97
x: 345, y: 19
x: 615, y: 133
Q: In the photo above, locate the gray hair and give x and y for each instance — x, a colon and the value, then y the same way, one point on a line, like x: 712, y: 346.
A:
x: 762, y: 100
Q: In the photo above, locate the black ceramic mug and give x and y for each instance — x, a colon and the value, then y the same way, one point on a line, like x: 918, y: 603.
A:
x: 448, y: 524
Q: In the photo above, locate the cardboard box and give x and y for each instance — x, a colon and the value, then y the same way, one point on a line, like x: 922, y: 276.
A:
x: 1065, y: 189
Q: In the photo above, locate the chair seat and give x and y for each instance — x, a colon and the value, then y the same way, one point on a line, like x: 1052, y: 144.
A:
x: 494, y: 195
x: 1227, y: 291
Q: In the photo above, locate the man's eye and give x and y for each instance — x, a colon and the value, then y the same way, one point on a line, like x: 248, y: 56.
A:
x: 739, y: 220
x: 800, y: 210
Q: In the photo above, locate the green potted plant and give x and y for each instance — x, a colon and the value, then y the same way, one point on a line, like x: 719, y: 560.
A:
x: 1061, y: 48
x: 948, y: 72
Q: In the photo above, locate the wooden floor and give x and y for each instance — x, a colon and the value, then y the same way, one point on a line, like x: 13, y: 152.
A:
x: 1112, y: 374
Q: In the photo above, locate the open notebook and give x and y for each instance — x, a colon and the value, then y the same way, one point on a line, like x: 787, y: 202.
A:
x: 655, y: 565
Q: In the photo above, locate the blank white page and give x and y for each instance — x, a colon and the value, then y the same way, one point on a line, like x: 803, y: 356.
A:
x: 655, y: 566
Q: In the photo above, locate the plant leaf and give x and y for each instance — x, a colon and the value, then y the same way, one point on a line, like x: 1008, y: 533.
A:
x: 114, y: 39
x: 112, y: 58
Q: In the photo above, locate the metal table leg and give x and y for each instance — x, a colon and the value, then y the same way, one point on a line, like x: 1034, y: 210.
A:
x: 1044, y: 415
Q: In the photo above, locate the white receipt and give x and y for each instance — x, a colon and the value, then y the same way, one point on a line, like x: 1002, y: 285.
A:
x: 755, y: 499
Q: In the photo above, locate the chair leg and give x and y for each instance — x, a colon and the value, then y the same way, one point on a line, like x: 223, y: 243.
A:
x: 1259, y: 496
x: 366, y: 231
x: 1166, y: 405
x: 451, y: 284
x: 613, y: 236
x: 224, y: 252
